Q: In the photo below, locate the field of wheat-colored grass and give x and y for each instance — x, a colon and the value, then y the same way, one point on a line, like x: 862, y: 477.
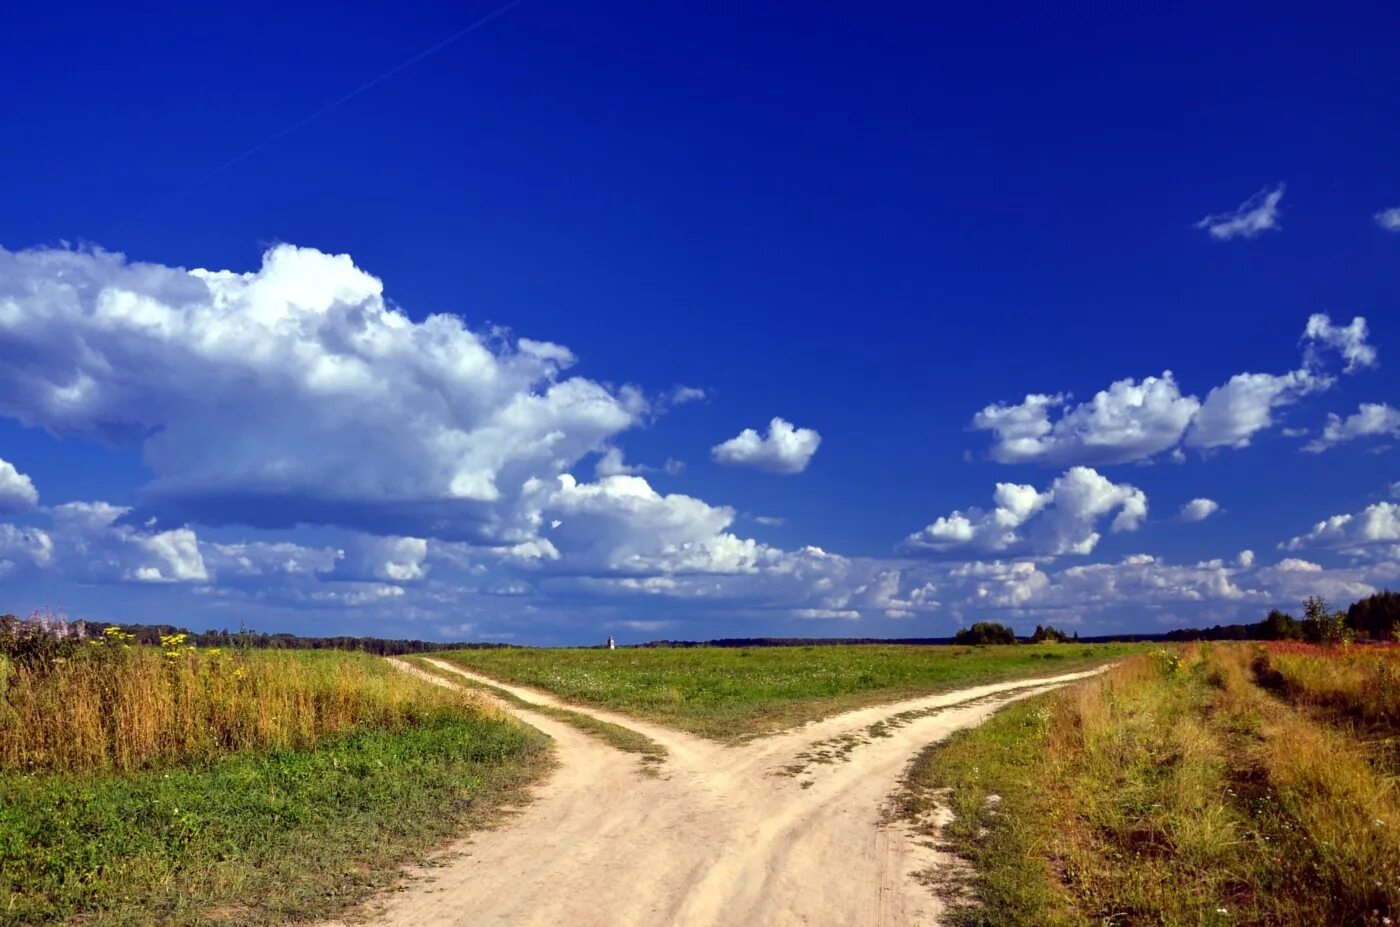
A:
x: 116, y: 706
x: 1210, y: 785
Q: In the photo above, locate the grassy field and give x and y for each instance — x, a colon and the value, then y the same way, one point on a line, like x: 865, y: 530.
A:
x: 1225, y: 784
x: 172, y: 786
x: 731, y: 693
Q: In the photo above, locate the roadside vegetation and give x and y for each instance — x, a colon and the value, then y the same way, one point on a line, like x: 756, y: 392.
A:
x: 1210, y: 784
x: 174, y: 785
x: 731, y: 693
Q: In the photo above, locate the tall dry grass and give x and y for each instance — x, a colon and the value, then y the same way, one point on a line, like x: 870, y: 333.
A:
x: 126, y: 707
x: 1195, y: 786
x: 1140, y: 774
x: 1187, y: 793
x: 1361, y: 683
x: 1343, y: 808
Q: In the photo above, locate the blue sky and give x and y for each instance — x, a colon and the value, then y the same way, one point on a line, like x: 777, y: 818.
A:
x: 552, y: 273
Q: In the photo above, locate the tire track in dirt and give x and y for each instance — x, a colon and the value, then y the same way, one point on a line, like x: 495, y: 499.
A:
x: 752, y: 835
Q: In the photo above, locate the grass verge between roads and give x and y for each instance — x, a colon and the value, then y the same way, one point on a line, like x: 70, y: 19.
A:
x: 1229, y: 784
x: 617, y: 736
x: 731, y: 693
x: 229, y: 811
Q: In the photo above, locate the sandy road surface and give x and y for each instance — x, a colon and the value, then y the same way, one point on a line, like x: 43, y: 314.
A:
x: 783, y: 830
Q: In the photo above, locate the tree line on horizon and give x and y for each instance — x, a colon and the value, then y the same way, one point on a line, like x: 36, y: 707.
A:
x: 1374, y: 618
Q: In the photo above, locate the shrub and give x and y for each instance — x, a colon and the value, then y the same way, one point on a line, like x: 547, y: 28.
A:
x: 1048, y: 633
x: 41, y: 639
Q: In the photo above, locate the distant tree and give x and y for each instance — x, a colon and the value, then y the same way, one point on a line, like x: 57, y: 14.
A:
x: 1279, y: 626
x: 985, y: 632
x: 1376, y: 616
x: 1321, y: 626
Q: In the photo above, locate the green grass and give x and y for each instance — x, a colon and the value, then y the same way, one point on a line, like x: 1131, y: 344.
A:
x: 729, y: 693
x: 621, y: 738
x: 257, y: 837
x: 1174, y: 790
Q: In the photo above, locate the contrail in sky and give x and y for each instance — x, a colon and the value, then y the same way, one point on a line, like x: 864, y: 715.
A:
x: 334, y: 104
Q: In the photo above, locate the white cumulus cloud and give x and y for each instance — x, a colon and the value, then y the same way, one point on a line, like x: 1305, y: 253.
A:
x: 785, y: 449
x: 1244, y: 406
x: 1389, y: 219
x: 1061, y: 520
x: 1130, y: 420
x: 1137, y: 420
x: 1369, y: 420
x: 1376, y: 524
x: 1348, y: 340
x: 1254, y: 216
x: 1199, y: 509
x: 294, y: 393
x: 620, y: 524
x: 17, y: 492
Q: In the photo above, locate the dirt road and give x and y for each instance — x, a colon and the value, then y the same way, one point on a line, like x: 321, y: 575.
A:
x: 783, y: 830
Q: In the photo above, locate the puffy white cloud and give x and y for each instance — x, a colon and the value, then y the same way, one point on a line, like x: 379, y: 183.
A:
x: 1376, y: 524
x: 1372, y: 418
x: 1245, y: 558
x: 396, y: 559
x: 172, y: 557
x: 1127, y: 421
x: 1254, y: 216
x: 1199, y: 509
x: 17, y: 492
x: 995, y: 584
x: 1137, y: 420
x: 1389, y: 219
x: 1061, y: 520
x: 785, y: 449
x: 1347, y: 340
x: 621, y: 524
x: 295, y: 393
x: 1233, y: 413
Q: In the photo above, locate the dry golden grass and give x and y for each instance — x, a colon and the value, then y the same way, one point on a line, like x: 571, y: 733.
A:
x: 1360, y: 683
x: 1342, y: 805
x: 1176, y: 789
x: 114, y: 706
